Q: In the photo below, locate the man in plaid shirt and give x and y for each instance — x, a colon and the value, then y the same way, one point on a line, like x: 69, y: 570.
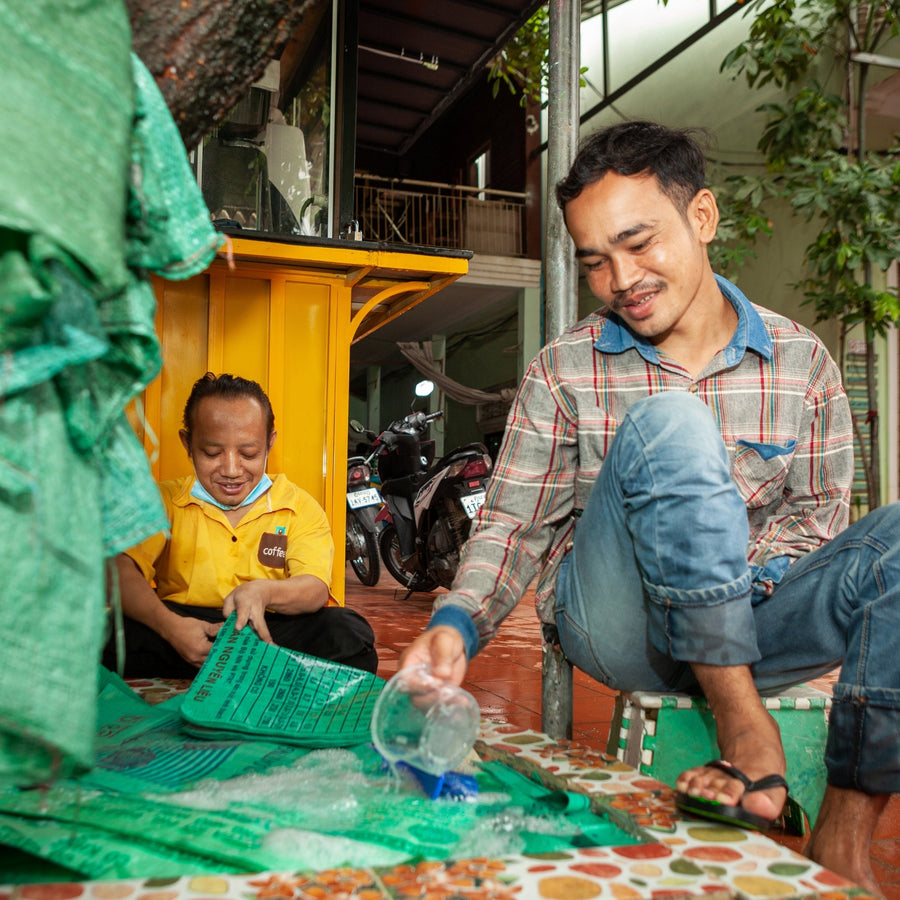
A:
x: 676, y: 472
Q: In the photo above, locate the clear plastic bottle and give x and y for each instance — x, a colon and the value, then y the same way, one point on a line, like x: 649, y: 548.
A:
x: 424, y: 721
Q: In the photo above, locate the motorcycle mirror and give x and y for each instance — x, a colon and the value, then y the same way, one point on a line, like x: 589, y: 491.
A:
x: 357, y: 426
x: 424, y: 388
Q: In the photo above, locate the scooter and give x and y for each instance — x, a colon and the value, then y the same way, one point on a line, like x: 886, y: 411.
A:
x: 363, y: 503
x: 429, y: 506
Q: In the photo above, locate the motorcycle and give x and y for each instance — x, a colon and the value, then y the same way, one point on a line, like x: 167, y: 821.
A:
x: 429, y: 506
x: 363, y: 503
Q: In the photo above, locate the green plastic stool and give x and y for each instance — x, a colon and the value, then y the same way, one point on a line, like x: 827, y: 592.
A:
x: 664, y: 734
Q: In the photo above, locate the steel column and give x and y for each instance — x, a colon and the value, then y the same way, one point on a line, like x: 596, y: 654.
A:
x: 562, y: 125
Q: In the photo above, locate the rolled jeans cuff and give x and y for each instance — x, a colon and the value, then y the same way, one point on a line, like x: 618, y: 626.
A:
x: 863, y: 726
x: 713, y: 626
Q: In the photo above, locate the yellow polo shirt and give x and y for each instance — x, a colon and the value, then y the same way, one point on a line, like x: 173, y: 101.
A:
x: 284, y: 533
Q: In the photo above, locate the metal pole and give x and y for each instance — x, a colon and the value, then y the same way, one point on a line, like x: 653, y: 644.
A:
x: 562, y: 125
x: 562, y: 290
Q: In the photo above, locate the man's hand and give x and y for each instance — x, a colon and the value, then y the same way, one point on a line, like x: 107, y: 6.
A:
x: 250, y: 600
x: 443, y: 649
x: 192, y: 638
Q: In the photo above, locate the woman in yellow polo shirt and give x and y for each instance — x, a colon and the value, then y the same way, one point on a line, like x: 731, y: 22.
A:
x: 240, y: 542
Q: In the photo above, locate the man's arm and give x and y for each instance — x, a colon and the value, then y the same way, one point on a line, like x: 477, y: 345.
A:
x: 530, y: 494
x: 309, y: 557
x: 191, y: 638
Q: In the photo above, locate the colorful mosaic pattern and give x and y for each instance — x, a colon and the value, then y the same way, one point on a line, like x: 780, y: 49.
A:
x: 655, y: 871
x: 155, y: 690
x: 679, y: 858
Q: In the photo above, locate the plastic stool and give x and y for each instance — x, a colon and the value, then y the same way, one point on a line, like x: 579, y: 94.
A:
x: 664, y: 734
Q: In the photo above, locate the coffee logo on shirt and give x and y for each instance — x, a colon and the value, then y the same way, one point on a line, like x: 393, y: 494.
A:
x: 273, y: 550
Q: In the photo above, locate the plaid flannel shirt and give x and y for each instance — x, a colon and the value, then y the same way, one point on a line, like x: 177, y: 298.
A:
x: 774, y: 390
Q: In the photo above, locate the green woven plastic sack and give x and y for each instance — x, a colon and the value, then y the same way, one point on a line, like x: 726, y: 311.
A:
x: 171, y: 232
x: 66, y: 113
x: 248, y: 688
x: 96, y: 190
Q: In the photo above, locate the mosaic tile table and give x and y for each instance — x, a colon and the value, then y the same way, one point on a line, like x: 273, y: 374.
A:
x: 680, y: 858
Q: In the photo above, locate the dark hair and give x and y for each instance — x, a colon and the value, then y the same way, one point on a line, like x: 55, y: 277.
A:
x: 674, y: 156
x: 228, y: 387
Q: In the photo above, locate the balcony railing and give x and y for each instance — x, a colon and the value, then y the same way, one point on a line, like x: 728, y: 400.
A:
x: 452, y: 217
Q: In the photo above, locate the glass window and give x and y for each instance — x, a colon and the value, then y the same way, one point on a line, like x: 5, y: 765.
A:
x: 267, y: 166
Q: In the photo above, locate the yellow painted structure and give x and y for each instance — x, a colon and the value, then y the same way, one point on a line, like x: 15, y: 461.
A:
x: 284, y: 315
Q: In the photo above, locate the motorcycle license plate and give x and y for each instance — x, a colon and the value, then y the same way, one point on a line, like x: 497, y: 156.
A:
x: 368, y: 497
x: 472, y: 503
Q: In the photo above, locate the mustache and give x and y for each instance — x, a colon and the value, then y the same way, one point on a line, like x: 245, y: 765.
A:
x: 623, y: 298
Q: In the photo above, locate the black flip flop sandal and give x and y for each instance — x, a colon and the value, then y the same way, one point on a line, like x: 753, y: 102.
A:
x: 723, y: 812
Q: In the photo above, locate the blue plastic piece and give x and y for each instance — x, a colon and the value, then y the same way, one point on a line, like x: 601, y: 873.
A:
x: 450, y: 785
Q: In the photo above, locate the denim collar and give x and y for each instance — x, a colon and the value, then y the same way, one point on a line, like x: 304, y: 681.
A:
x: 750, y: 333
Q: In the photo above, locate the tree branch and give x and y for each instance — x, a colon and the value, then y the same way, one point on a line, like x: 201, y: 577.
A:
x: 205, y: 54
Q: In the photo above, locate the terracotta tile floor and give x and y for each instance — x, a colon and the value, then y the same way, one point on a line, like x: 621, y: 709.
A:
x: 505, y: 679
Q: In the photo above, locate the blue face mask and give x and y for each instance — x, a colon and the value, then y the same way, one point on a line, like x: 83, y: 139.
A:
x: 201, y: 493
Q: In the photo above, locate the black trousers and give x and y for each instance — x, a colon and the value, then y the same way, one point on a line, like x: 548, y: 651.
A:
x: 333, y: 632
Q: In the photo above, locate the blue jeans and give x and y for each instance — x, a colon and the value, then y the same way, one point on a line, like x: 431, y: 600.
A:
x: 658, y: 578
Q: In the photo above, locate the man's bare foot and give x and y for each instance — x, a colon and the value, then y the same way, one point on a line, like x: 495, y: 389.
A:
x: 748, y: 738
x: 842, y: 836
x: 754, y: 747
